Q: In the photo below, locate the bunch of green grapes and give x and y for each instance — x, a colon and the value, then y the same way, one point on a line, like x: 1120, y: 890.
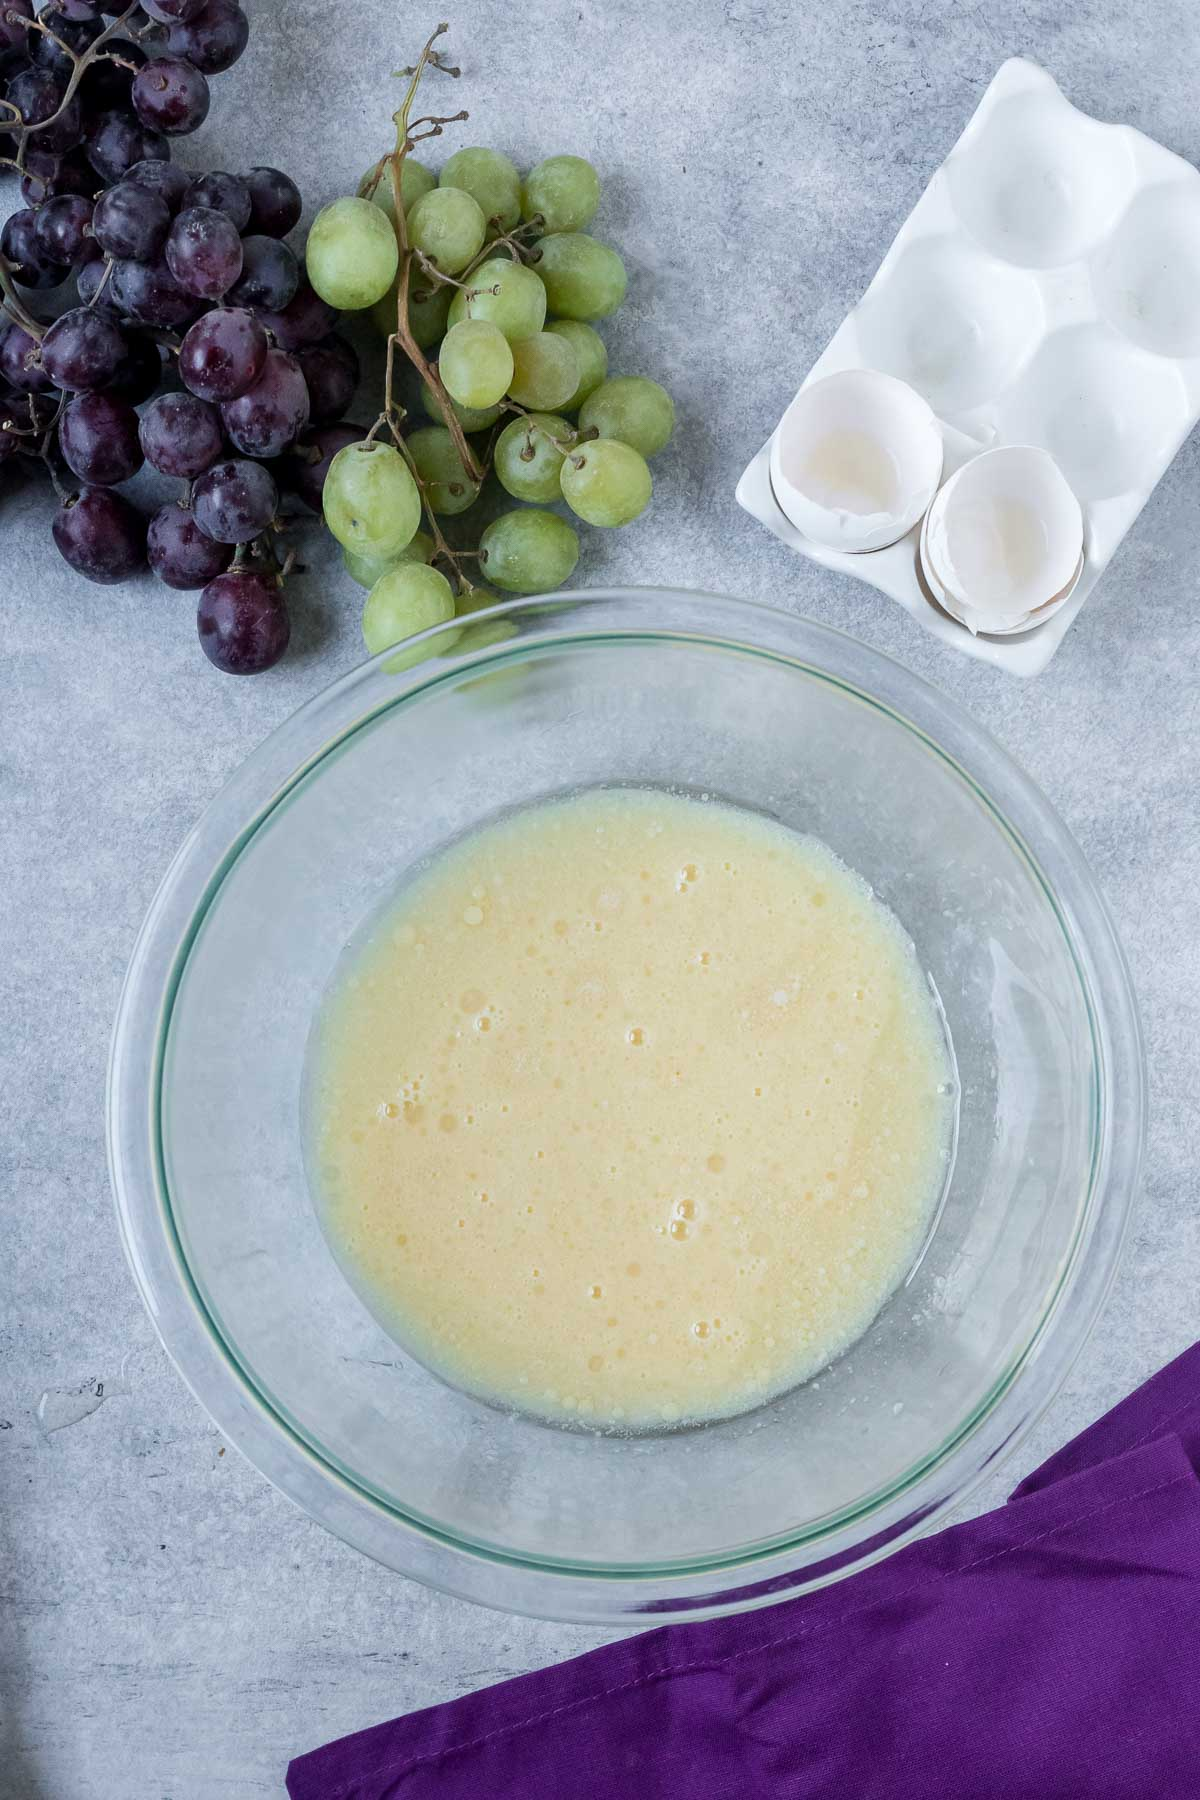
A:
x: 490, y: 286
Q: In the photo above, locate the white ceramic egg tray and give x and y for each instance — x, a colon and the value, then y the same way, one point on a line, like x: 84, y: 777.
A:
x: 1044, y: 290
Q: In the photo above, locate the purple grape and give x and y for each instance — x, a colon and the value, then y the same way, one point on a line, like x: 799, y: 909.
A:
x: 204, y: 252
x: 89, y: 252
x: 330, y: 372
x: 170, y: 12
x: 14, y: 39
x: 117, y: 142
x: 140, y: 373
x: 61, y: 226
x: 40, y: 178
x: 75, y: 10
x: 180, y: 553
x: 101, y: 535
x: 165, y: 179
x: 213, y: 38
x: 38, y: 98
x: 224, y: 193
x: 22, y: 249
x: 306, y: 464
x: 234, y: 501
x: 98, y: 437
x: 181, y: 435
x: 275, y: 202
x: 21, y: 363
x: 150, y: 294
x: 46, y: 175
x: 306, y: 319
x: 131, y: 221
x: 242, y: 622
x: 88, y: 277
x: 83, y: 350
x: 170, y: 95
x: 270, y: 275
x: 106, y: 86
x: 223, y: 354
x: 270, y: 415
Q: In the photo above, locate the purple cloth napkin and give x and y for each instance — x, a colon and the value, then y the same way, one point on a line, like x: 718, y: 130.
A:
x: 1047, y: 1651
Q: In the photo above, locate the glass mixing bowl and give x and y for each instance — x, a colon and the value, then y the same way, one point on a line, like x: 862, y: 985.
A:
x: 697, y: 694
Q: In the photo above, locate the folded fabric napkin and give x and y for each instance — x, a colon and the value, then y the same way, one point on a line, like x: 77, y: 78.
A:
x: 1047, y: 1651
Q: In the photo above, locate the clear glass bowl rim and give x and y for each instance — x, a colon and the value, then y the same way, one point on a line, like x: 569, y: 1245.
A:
x: 760, y: 1574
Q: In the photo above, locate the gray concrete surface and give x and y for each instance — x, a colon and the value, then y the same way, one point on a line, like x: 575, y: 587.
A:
x: 170, y: 1628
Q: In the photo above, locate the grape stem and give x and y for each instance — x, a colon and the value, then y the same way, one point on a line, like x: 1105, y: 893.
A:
x: 103, y: 281
x: 436, y: 276
x: 44, y: 448
x: 517, y: 242
x: 14, y: 305
x: 392, y: 416
x: 576, y: 438
x: 444, y: 552
x: 518, y: 251
x: 394, y: 163
x: 9, y: 423
x: 39, y: 24
x: 435, y: 123
x: 507, y: 240
x: 428, y: 55
x: 95, y: 52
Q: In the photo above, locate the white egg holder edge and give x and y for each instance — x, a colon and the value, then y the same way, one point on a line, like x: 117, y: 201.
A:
x: 1062, y: 255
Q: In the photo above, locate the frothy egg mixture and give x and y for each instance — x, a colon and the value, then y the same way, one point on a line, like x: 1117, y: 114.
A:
x: 632, y: 1109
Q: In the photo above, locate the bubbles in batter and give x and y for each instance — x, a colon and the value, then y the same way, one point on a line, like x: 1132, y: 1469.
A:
x: 631, y: 1110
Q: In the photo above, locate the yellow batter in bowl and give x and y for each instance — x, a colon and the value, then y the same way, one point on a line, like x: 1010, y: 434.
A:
x: 631, y: 1110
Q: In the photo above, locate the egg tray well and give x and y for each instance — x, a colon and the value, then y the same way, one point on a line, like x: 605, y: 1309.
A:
x: 1045, y: 290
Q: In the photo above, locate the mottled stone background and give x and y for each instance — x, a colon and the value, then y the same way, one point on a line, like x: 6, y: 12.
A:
x: 170, y: 1627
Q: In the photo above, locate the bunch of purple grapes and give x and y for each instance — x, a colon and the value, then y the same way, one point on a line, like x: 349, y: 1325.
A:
x: 193, y: 341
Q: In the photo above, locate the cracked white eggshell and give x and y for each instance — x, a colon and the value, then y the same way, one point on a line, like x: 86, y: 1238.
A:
x: 1003, y: 539
x: 856, y: 460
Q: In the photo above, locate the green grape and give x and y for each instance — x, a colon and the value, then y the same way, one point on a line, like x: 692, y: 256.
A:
x: 448, y: 227
x: 527, y: 460
x: 366, y: 570
x: 448, y: 487
x: 372, y: 504
x: 632, y: 408
x: 406, y: 600
x: 475, y: 363
x: 545, y: 372
x: 565, y: 190
x: 415, y: 181
x: 519, y: 308
x: 492, y: 631
x: 474, y: 599
x: 591, y: 353
x: 582, y: 279
x: 471, y: 418
x: 492, y: 182
x: 351, y: 254
x: 427, y: 310
x: 384, y: 313
x: 528, y: 552
x: 605, y: 482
